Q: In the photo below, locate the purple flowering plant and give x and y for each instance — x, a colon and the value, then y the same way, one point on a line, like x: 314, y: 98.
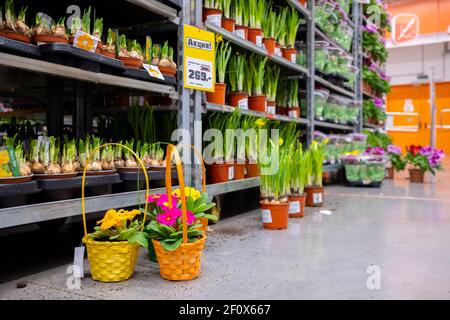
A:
x: 425, y: 158
x: 396, y: 158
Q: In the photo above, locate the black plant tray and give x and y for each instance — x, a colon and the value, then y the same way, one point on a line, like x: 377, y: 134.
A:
x: 18, y: 47
x: 7, y: 190
x: 362, y: 185
x: 75, y: 57
x: 152, y: 175
x: 142, y: 74
x: 336, y: 79
x: 75, y: 183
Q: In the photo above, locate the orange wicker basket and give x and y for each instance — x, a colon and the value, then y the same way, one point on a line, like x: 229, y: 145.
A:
x: 183, y: 263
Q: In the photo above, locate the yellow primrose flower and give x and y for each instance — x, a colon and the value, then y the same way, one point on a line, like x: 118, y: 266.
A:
x: 111, y: 219
x: 190, y: 192
x: 129, y: 215
x: 281, y: 141
x: 260, y: 123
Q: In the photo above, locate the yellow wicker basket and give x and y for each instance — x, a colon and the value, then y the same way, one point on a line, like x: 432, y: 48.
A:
x: 183, y: 263
x: 112, y: 261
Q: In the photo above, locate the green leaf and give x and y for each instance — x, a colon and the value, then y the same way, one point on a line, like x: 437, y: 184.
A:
x: 211, y: 217
x: 140, y: 239
x: 171, y: 244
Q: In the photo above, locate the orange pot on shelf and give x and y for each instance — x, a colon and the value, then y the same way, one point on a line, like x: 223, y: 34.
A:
x: 314, y: 196
x: 297, y: 205
x: 49, y: 39
x: 241, y: 31
x: 252, y: 170
x: 16, y: 36
x: 218, y: 96
x: 275, y: 216
x: 213, y: 16
x: 228, y: 24
x: 220, y: 172
x: 269, y: 44
x: 281, y: 110
x: 290, y: 54
x: 238, y: 99
x: 293, y: 112
x: 257, y: 103
x: 416, y: 175
x: 108, y: 54
x: 390, y: 173
x: 255, y: 35
x: 239, y: 171
x: 130, y: 62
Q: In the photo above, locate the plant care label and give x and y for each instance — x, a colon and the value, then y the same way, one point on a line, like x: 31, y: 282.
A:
x: 78, y: 259
x: 240, y: 33
x: 153, y: 71
x: 294, y: 58
x: 215, y: 19
x: 231, y: 173
x: 259, y: 41
x: 199, y: 59
x: 85, y: 41
x: 293, y: 114
x: 266, y: 216
x: 243, y: 104
x: 294, y: 207
x: 317, y: 198
x: 271, y: 110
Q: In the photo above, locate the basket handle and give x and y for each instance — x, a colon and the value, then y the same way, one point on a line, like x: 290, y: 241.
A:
x: 83, y: 181
x: 199, y: 154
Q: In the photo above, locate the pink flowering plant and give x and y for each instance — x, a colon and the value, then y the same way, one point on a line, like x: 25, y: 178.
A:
x: 396, y: 158
x: 166, y: 217
x: 425, y: 158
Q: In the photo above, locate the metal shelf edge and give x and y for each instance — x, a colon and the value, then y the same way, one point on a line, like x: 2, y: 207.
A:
x: 334, y: 87
x: 330, y: 125
x: 158, y: 8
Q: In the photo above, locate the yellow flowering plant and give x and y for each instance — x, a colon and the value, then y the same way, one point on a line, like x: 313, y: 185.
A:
x: 120, y: 226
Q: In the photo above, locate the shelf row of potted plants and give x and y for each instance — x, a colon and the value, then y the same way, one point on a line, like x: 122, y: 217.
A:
x: 252, y: 84
x: 257, y: 21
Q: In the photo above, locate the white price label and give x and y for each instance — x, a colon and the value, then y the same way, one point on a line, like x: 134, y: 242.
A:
x: 259, y: 41
x: 243, y: 104
x: 78, y: 261
x: 271, y: 110
x: 266, y: 216
x: 240, y: 33
x: 294, y: 207
x: 199, y: 73
x: 278, y: 52
x: 317, y: 198
x: 293, y: 114
x: 231, y: 173
x: 215, y: 19
x: 153, y: 71
x: 294, y: 58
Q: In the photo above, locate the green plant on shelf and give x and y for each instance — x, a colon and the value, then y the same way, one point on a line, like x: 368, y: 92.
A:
x: 236, y: 73
x: 271, y: 83
x: 223, y: 54
x: 258, y: 72
x: 293, y: 23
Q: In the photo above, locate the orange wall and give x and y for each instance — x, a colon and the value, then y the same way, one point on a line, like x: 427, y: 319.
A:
x: 420, y: 96
x: 434, y: 14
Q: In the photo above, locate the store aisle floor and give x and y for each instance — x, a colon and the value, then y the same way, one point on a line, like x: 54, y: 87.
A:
x: 400, y: 233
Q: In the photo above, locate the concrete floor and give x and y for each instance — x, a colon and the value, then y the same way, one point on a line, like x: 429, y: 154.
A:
x: 402, y: 229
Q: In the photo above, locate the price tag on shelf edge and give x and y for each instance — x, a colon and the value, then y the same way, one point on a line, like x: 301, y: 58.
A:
x: 199, y: 59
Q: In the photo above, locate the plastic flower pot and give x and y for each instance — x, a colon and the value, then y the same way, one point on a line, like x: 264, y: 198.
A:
x: 390, y: 173
x: 239, y: 171
x: 213, y: 16
x: 220, y: 172
x: 130, y: 62
x: 228, y: 24
x: 416, y: 175
x: 294, y: 112
x: 241, y: 32
x: 49, y: 39
x: 255, y: 36
x: 269, y: 44
x: 271, y: 107
x: 17, y: 36
x: 238, y: 100
x: 257, y: 103
x: 314, y: 196
x: 218, y: 96
x: 297, y: 205
x: 275, y: 216
x: 151, y: 252
x: 252, y: 170
x: 108, y: 54
x: 281, y: 110
x: 290, y: 54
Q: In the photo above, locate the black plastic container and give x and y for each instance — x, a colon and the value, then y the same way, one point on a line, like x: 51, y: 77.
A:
x: 14, y: 195
x: 18, y: 47
x: 362, y: 185
x: 75, y: 57
x: 142, y: 74
x: 133, y: 181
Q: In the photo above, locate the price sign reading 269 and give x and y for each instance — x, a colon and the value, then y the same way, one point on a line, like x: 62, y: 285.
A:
x: 199, y: 56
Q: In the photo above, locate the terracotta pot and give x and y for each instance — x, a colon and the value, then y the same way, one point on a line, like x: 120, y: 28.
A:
x: 294, y: 112
x: 314, y: 196
x: 218, y: 96
x: 390, y: 173
x: 271, y: 107
x: 239, y: 171
x: 168, y: 71
x: 281, y: 110
x: 252, y: 170
x: 257, y: 103
x: 241, y: 32
x: 17, y: 36
x: 108, y: 54
x: 255, y: 36
x: 220, y: 172
x: 297, y: 206
x: 416, y: 175
x: 289, y: 54
x: 228, y: 24
x: 49, y: 39
x: 278, y: 50
x: 213, y: 16
x: 269, y: 44
x: 238, y: 99
x: 130, y: 62
x: 275, y: 216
